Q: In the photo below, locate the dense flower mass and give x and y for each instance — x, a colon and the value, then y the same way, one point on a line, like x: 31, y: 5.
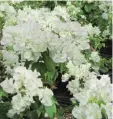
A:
x: 24, y: 37
x: 37, y: 42
x: 25, y: 84
x: 89, y: 111
x: 92, y: 94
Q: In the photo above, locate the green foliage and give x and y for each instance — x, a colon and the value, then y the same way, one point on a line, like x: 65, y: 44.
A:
x: 99, y: 102
x: 32, y: 114
x: 50, y: 65
x: 51, y: 110
x: 40, y: 110
x: 97, y: 42
x: 105, y: 65
x: 3, y: 93
x: 38, y: 4
x: 4, y: 107
x: 39, y: 66
x: 2, y: 20
x: 104, y: 114
x: 50, y: 78
x: 32, y: 4
x: 47, y: 68
x: 61, y: 112
x: 62, y: 67
x: 92, y: 13
x: 17, y: 117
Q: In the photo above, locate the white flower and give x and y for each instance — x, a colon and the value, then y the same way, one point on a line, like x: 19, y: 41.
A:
x: 28, y: 55
x: 10, y: 57
x: 46, y: 96
x: 71, y: 67
x: 4, y: 6
x: 105, y: 16
x: 8, y: 86
x: 74, y: 86
x: 60, y: 57
x: 98, y: 89
x: 11, y: 113
x: 92, y: 30
x: 61, y: 11
x: 9, y: 70
x: 46, y: 115
x: 65, y: 77
x: 20, y: 70
x: 19, y: 104
x: 93, y: 90
x: 79, y: 71
x: 23, y: 77
x: 26, y: 84
x: 94, y: 56
x: 45, y: 30
x: 89, y: 111
x: 26, y: 40
x: 27, y: 78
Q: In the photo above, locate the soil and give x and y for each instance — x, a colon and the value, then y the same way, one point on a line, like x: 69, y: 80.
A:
x: 107, y: 51
x: 61, y: 92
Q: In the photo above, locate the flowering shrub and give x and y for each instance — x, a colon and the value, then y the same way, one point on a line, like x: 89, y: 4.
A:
x: 37, y: 45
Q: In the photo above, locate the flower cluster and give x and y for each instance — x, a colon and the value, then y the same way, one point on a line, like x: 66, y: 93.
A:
x: 93, y: 94
x: 28, y: 36
x: 25, y: 84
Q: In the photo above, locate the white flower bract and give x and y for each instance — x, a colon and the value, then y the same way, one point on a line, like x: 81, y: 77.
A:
x: 26, y: 84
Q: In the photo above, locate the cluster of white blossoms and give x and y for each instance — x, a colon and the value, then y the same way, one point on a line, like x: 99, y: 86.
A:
x: 79, y: 71
x: 32, y: 32
x: 93, y: 94
x: 25, y: 84
x: 94, y: 56
x: 89, y: 111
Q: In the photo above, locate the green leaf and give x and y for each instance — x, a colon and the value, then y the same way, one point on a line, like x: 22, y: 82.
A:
x: 33, y: 114
x: 41, y: 67
x: 104, y: 69
x: 49, y: 63
x: 17, y: 117
x: 62, y: 67
x: 61, y: 112
x: 40, y: 110
x: 49, y: 76
x: 51, y: 110
x: 88, y: 8
x: 10, y: 48
x: 3, y: 93
x: 104, y: 115
x: 95, y: 100
x: 4, y: 107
